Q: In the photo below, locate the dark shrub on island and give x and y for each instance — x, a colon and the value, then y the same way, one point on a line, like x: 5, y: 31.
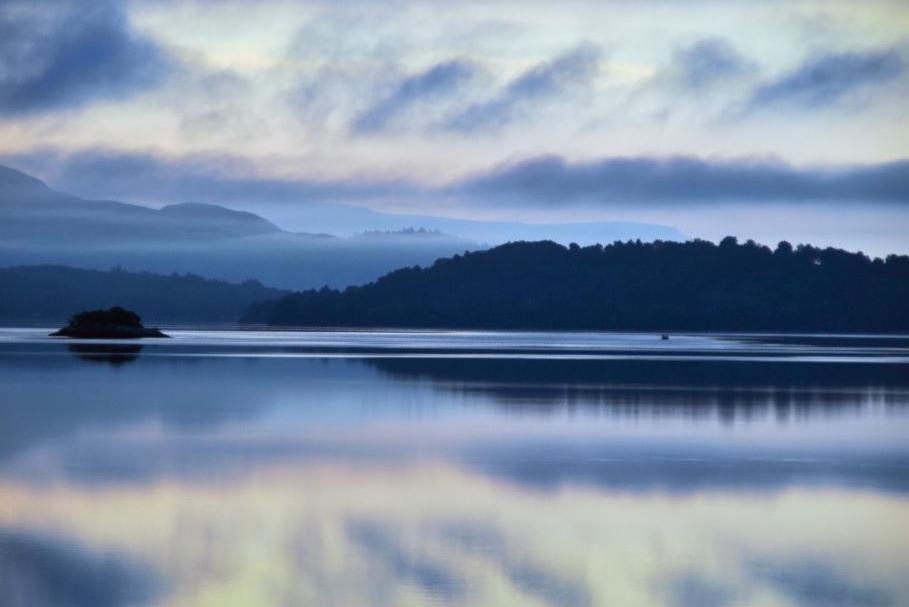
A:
x: 115, y: 323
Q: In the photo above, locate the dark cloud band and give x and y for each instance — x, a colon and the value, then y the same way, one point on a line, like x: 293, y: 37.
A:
x: 213, y: 178
x: 829, y: 78
x: 439, y: 80
x: 547, y: 180
x: 542, y: 82
x: 553, y: 180
x: 66, y: 58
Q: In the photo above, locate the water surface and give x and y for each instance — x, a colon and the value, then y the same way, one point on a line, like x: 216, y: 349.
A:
x: 454, y: 468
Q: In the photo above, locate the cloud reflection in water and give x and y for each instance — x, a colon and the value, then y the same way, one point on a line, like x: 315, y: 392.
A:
x: 332, y: 534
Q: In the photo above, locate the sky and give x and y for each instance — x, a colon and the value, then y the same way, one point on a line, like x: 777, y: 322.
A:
x: 764, y: 119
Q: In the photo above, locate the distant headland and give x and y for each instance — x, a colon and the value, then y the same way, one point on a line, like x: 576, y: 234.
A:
x: 625, y: 286
x: 114, y: 323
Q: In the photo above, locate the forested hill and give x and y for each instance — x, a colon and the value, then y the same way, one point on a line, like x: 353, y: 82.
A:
x: 48, y: 295
x: 661, y: 286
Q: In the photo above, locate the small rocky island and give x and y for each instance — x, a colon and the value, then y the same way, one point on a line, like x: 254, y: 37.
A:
x: 115, y: 323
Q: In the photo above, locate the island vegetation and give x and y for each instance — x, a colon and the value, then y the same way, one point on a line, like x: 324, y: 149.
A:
x: 625, y: 286
x: 114, y: 323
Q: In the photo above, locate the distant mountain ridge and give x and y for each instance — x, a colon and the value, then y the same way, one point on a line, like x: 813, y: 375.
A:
x: 631, y: 286
x: 39, y: 226
x: 30, y: 210
x: 247, y: 223
x: 15, y: 182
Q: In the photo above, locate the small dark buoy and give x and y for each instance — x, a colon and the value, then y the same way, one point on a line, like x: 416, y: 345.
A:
x: 665, y: 336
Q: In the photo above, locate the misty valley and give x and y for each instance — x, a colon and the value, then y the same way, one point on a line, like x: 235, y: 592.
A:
x: 470, y: 430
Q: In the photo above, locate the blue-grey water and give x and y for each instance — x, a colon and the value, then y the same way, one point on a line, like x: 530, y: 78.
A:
x: 454, y: 468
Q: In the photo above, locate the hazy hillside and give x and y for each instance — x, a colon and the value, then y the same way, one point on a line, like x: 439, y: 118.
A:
x: 48, y: 295
x: 33, y: 213
x: 331, y: 244
x: 624, y: 286
x: 346, y: 220
x: 41, y: 226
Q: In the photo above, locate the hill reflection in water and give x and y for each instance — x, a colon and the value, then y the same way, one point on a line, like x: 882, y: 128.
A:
x: 688, y: 388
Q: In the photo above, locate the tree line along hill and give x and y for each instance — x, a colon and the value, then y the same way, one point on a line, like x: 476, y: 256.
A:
x: 624, y: 286
x: 38, y: 295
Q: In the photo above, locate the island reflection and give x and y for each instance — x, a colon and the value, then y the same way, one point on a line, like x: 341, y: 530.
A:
x: 112, y: 354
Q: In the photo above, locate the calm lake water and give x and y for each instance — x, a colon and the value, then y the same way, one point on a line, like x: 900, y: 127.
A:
x: 461, y: 468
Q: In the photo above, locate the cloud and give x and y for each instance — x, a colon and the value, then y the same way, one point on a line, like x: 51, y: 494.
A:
x: 149, y: 177
x: 706, y: 63
x: 440, y: 80
x: 58, y: 56
x: 533, y: 182
x: 828, y: 79
x: 540, y: 83
x: 553, y: 180
x: 374, y: 97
